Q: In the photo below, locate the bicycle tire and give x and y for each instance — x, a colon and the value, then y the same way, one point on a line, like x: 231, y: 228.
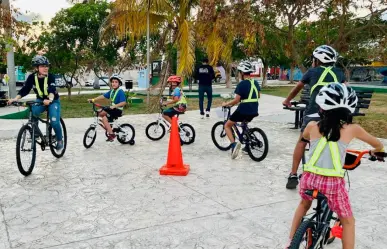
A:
x: 307, y: 227
x: 18, y: 143
x: 191, y: 135
x: 123, y: 140
x: 150, y: 126
x: 91, y: 128
x: 213, y: 136
x: 265, y: 143
x: 51, y: 142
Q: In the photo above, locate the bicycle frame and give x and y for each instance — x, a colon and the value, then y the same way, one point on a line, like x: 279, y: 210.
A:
x: 35, y: 127
x: 162, y: 120
x: 115, y: 124
x: 240, y: 135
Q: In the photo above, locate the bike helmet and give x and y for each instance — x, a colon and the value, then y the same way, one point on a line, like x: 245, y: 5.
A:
x: 245, y: 67
x: 117, y: 77
x: 40, y: 60
x: 337, y: 95
x: 174, y: 78
x: 325, y: 54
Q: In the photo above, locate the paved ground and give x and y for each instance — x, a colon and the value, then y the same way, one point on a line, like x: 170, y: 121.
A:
x: 111, y: 196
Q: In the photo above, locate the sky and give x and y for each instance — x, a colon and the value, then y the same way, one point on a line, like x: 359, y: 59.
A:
x: 46, y: 9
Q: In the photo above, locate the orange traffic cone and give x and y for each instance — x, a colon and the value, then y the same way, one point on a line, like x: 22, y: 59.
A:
x: 174, y: 164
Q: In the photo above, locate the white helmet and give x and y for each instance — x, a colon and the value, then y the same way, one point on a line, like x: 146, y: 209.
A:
x: 117, y: 77
x: 337, y: 95
x: 325, y: 54
x: 245, y: 66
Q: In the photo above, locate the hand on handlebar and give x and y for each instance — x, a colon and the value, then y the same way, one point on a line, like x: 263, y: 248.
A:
x: 10, y: 101
x: 47, y: 102
x: 377, y: 156
x: 286, y: 103
x: 90, y: 100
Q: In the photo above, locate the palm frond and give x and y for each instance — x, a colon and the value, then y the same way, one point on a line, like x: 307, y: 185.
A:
x: 186, y: 49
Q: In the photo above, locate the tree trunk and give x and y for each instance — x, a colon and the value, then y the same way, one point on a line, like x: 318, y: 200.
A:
x: 291, y: 74
x: 68, y: 91
x: 228, y: 76
x: 264, y: 74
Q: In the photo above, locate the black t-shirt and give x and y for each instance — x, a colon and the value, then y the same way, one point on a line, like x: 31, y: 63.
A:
x: 205, y: 74
x: 311, y: 78
x: 30, y: 84
x: 243, y: 90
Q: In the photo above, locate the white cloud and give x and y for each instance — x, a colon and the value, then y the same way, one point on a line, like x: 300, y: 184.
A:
x: 45, y: 9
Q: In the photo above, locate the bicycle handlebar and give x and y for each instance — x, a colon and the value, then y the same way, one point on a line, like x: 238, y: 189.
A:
x: 353, y: 158
x: 27, y: 103
x: 99, y: 106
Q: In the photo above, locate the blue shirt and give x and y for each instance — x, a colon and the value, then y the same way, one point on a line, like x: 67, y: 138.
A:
x: 243, y: 90
x: 176, y: 93
x: 311, y: 77
x: 119, y: 98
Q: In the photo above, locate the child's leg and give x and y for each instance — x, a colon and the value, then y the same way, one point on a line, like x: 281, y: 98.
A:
x: 228, y: 128
x: 348, y: 238
x: 301, y: 210
x: 105, y: 122
x: 168, y: 118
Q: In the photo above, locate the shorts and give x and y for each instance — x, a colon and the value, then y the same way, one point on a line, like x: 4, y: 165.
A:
x: 332, y: 187
x: 306, y: 121
x: 170, y: 112
x: 113, y: 114
x: 239, y: 117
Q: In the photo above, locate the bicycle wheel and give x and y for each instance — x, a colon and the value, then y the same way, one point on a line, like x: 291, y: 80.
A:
x: 155, y: 131
x: 89, y: 137
x: 126, y: 134
x: 258, y: 145
x: 303, y: 238
x: 218, y: 133
x: 187, y: 133
x: 25, y: 143
x: 53, y: 142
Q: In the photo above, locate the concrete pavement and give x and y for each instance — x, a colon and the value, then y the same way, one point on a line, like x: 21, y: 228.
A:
x: 112, y: 196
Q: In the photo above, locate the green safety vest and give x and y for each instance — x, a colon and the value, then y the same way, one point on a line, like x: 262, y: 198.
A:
x: 321, y: 82
x: 337, y: 169
x: 45, y: 87
x: 253, y: 89
x: 113, y: 98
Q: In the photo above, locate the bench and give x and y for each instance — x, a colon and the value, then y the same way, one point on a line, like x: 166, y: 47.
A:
x: 299, y: 107
x: 364, y: 101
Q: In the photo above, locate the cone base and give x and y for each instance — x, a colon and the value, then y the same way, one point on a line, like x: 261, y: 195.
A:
x: 175, y: 171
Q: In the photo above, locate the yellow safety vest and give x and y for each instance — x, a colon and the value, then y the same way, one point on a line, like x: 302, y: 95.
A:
x: 253, y: 89
x: 337, y: 169
x: 113, y: 98
x: 45, y: 87
x: 321, y: 82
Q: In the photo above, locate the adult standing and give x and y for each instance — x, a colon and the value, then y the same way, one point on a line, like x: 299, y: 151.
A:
x: 205, y: 74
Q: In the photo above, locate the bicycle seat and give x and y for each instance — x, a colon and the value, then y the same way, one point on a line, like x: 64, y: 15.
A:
x: 315, y: 194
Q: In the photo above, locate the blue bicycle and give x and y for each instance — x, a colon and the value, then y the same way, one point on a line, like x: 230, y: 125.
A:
x: 254, y: 139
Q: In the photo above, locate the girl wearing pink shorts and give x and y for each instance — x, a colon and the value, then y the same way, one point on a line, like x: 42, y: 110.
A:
x: 329, y: 139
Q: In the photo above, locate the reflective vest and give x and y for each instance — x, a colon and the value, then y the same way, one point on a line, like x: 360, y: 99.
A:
x: 182, y: 103
x: 113, y: 98
x: 45, y: 87
x: 253, y: 89
x: 321, y: 82
x: 337, y: 167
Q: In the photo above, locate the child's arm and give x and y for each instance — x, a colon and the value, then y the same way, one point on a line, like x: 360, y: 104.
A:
x: 121, y: 104
x: 235, y: 101
x: 364, y: 136
x: 97, y: 98
x: 174, y: 100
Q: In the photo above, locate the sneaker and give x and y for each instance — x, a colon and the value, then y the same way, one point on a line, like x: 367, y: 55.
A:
x: 202, y: 116
x: 235, y: 148
x: 111, y: 138
x: 207, y: 114
x: 292, y: 181
x: 59, y: 146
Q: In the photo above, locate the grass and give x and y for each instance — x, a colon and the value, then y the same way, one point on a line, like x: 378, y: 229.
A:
x: 280, y: 91
x: 78, y: 107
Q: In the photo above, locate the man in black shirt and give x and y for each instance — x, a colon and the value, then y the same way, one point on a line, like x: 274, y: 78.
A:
x: 205, y: 74
x: 43, y: 84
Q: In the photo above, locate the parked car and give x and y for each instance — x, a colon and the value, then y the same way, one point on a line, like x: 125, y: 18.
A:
x: 103, y: 81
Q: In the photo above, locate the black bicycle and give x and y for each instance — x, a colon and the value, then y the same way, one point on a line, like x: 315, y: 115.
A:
x: 257, y: 145
x: 30, y: 135
x: 125, y: 132
x: 322, y: 227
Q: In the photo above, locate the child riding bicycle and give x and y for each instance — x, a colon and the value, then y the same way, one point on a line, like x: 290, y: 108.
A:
x: 247, y: 94
x: 43, y: 84
x: 118, y: 101
x: 179, y: 100
x: 329, y: 139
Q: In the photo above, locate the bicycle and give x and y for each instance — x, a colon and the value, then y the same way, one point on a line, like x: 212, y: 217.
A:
x: 30, y: 133
x: 156, y: 130
x: 125, y: 132
x: 248, y: 136
x: 316, y: 231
